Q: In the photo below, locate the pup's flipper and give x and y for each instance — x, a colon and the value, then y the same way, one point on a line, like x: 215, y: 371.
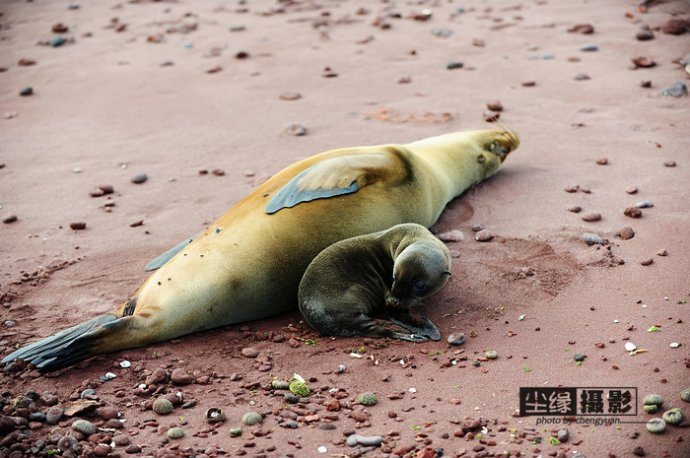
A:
x: 425, y: 327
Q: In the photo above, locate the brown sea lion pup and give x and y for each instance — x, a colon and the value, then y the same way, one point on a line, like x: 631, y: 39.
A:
x: 248, y: 264
x: 370, y: 285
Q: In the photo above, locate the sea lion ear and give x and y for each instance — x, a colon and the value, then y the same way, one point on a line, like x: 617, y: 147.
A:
x: 168, y: 255
x: 332, y: 177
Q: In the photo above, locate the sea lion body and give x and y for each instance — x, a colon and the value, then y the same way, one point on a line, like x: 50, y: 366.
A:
x: 354, y: 281
x: 248, y: 264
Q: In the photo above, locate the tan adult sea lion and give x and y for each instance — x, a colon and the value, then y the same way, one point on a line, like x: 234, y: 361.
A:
x: 371, y: 284
x: 248, y: 264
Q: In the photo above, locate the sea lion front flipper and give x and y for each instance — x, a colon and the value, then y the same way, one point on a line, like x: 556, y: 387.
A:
x: 168, y: 255
x: 332, y: 177
x: 425, y: 327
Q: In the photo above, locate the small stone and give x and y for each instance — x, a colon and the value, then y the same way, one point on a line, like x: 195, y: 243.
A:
x: 494, y: 105
x: 478, y: 227
x: 675, y: 26
x: 456, y: 339
x: 678, y: 89
x: 26, y: 91
x: 483, y: 236
x: 670, y: 163
x: 9, y: 219
x: 122, y: 440
x: 584, y: 29
x: 451, y: 236
x: 674, y: 344
x: 238, y: 28
x: 133, y: 449
x: 644, y: 204
x: 107, y: 412
x: 181, y: 377
x: 591, y: 217
x: 454, y: 65
x: 582, y: 77
x: 236, y: 431
x: 139, y: 178
x: 632, y: 212
x: 626, y: 233
x: 529, y: 83
x: 214, y: 69
x: 26, y: 62
x: 647, y: 262
x: 629, y: 346
x: 137, y: 223
x: 175, y: 433
x: 575, y: 209
x: 367, y: 441
x: 84, y: 427
x: 491, y: 354
x: 290, y: 96
x: 639, y: 451
x: 656, y: 425
x: 252, y: 418
x: 573, y: 188
x: 367, y: 399
x: 162, y: 406
x: 54, y: 415
x: 242, y: 55
x: 662, y: 252
x: 579, y: 357
x: 78, y: 226
x: 646, y: 84
x: 250, y: 352
x: 643, y: 62
x: 644, y: 34
x: 589, y: 48
x: 491, y: 116
x: 563, y: 435
x: 592, y: 239
x: 101, y: 450
x: 297, y: 130
x: 631, y: 190
x: 441, y: 32
x: 218, y: 172
x: 602, y: 161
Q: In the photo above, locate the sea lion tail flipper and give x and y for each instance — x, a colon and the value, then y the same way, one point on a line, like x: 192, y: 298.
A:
x: 68, y: 346
x: 168, y: 255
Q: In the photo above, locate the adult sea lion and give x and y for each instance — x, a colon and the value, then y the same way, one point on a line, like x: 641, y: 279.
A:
x: 385, y: 274
x: 248, y: 264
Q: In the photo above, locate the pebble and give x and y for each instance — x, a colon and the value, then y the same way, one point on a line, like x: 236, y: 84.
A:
x: 494, y: 105
x: 175, y: 433
x: 26, y: 91
x: 491, y: 354
x: 674, y: 344
x: 647, y: 262
x: 592, y: 239
x: 56, y: 42
x: 639, y: 451
x: 238, y: 28
x: 242, y: 55
x: 662, y: 252
x: 644, y: 204
x: 602, y: 161
x: 678, y: 89
x: 162, y: 406
x: 579, y: 357
x: 181, y: 377
x: 572, y: 189
x: 591, y: 217
x: 122, y: 440
x: 633, y: 212
x: 490, y: 116
x: 250, y: 352
x: 236, y: 431
x: 84, y: 427
x: 78, y: 226
x: 441, y: 32
x: 478, y: 227
x: 643, y: 62
x: 9, y: 219
x: 297, y: 130
x: 60, y: 28
x: 483, y: 236
x: 454, y: 65
x: 368, y: 441
x: 451, y: 236
x: 582, y: 77
x: 290, y: 96
x: 670, y: 163
x: 644, y: 34
x: 629, y: 346
x: 529, y: 83
x: 584, y: 29
x: 626, y: 233
x: 251, y: 418
x: 218, y: 172
x: 367, y: 399
x: 675, y: 26
x: 646, y: 84
x: 329, y: 73
x: 139, y: 178
x: 656, y: 425
x: 456, y: 339
x: 589, y: 48
x: 54, y: 415
x: 563, y: 435
x: 631, y: 190
x: 575, y: 209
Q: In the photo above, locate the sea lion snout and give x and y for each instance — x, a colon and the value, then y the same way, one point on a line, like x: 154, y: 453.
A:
x: 503, y: 143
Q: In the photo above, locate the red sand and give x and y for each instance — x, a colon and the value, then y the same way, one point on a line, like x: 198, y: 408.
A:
x: 107, y: 105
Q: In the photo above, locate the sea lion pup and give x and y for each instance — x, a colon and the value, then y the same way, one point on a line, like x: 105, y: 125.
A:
x: 248, y: 264
x: 386, y: 273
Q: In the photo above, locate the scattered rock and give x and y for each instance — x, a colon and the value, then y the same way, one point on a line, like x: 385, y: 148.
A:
x: 589, y: 48
x: 368, y: 441
x: 602, y: 161
x: 584, y: 29
x: 647, y: 262
x: 491, y: 116
x: 329, y: 73
x: 644, y: 34
x: 54, y: 415
x: 643, y: 62
x: 483, y: 236
x: 644, y: 204
x: 639, y: 451
x: 592, y: 239
x: 181, y: 377
x: 563, y: 435
x: 632, y: 212
x: 250, y: 352
x: 175, y: 433
x: 84, y: 427
x: 60, y: 28
x: 290, y: 96
x: 218, y: 172
x: 662, y: 252
x: 214, y: 69
x: 9, y: 219
x: 297, y: 130
x: 454, y: 65
x: 58, y: 41
x: 646, y: 84
x: 529, y: 83
x: 26, y: 62
x: 669, y: 163
x: 582, y: 77
x: 631, y: 190
x: 575, y: 209
x: 626, y: 233
x: 678, y: 89
x: 78, y: 226
x: 139, y: 178
x: 494, y: 105
x: 241, y: 55
x: 26, y: 91
x: 675, y: 26
x: 591, y: 217
x: 456, y: 339
x: 572, y: 189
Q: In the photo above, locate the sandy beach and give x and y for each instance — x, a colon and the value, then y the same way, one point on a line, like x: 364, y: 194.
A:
x: 210, y: 98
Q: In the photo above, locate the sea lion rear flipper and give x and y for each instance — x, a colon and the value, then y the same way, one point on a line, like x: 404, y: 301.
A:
x: 424, y: 328
x: 68, y: 346
x: 332, y: 177
x: 165, y: 257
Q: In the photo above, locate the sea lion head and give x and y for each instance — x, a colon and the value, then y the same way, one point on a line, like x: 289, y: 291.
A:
x: 419, y: 271
x: 495, y: 146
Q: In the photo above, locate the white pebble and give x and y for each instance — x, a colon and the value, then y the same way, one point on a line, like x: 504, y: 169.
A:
x: 77, y: 169
x: 675, y: 345
x: 355, y: 355
x: 521, y: 317
x: 412, y: 390
x: 125, y: 364
x: 322, y: 449
x: 629, y: 346
x: 616, y: 321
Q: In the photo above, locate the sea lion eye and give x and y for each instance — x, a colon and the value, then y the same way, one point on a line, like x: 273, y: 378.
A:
x: 481, y: 158
x: 419, y: 286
